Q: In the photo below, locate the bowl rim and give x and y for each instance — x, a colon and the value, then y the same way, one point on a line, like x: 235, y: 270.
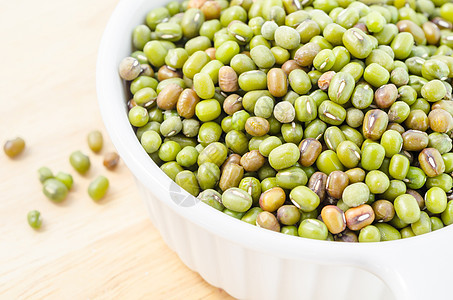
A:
x: 112, y: 103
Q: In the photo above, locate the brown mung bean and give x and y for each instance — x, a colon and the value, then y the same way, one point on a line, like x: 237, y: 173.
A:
x: 231, y: 176
x: 359, y: 217
x: 272, y: 199
x: 186, y: 103
x: 334, y: 218
x: 228, y: 79
x: 252, y: 161
x: 169, y: 96
x: 277, y: 82
x: 309, y: 151
x: 111, y: 160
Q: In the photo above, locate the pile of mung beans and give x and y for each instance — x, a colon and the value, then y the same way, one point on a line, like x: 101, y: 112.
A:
x: 325, y: 119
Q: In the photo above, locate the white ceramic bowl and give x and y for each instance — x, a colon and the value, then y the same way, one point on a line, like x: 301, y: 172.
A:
x: 244, y: 260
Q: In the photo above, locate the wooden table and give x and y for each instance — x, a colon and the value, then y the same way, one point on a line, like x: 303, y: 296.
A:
x: 85, y: 250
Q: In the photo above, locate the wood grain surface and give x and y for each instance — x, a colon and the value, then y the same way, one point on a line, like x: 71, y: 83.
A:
x: 84, y: 250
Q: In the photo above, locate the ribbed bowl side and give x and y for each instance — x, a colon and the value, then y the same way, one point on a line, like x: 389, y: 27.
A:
x: 248, y: 274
